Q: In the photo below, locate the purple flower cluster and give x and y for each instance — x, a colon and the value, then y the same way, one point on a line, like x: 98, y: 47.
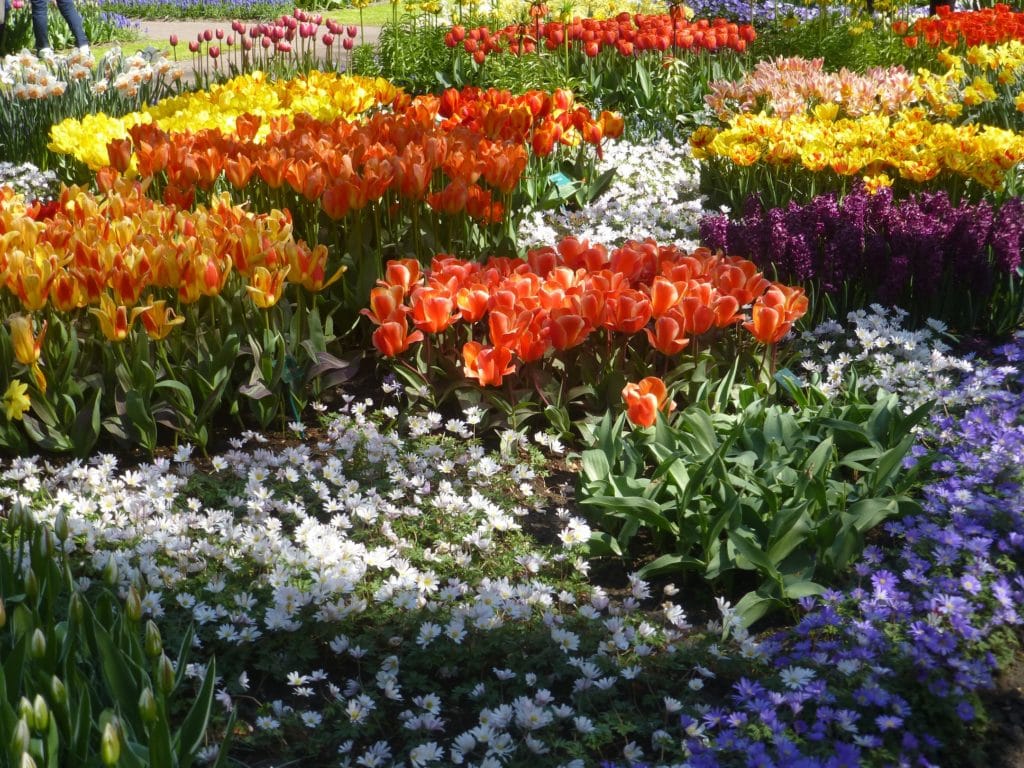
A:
x: 909, y: 252
x: 890, y: 667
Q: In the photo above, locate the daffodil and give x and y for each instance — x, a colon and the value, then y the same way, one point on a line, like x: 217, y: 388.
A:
x: 16, y: 401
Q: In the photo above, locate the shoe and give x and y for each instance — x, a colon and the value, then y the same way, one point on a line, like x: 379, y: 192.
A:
x: 84, y: 50
x: 47, y: 54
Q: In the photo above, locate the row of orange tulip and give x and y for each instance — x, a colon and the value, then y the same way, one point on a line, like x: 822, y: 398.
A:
x: 106, y: 252
x: 433, y: 148
x: 558, y: 297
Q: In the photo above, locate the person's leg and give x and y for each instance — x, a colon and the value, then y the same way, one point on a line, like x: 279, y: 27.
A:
x: 39, y: 22
x: 74, y: 19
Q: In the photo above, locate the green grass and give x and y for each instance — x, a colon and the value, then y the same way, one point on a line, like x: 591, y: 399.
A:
x: 375, y: 15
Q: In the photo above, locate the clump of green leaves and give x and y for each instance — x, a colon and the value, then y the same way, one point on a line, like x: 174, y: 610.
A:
x: 736, y: 487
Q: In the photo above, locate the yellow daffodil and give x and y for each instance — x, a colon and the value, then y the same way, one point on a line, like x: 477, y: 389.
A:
x: 16, y: 401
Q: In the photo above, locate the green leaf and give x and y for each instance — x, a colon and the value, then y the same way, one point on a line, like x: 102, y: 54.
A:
x: 889, y: 463
x: 867, y: 513
x: 819, y: 459
x: 671, y: 564
x: 602, y: 543
x: 122, y: 683
x: 750, y: 549
x: 595, y: 465
x: 752, y: 606
x: 635, y: 507
x: 192, y: 733
x: 797, y: 589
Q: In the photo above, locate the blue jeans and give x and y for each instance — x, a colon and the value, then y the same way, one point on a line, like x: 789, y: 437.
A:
x: 39, y: 21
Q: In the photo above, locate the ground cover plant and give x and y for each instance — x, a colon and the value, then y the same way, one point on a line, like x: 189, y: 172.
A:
x: 515, y: 407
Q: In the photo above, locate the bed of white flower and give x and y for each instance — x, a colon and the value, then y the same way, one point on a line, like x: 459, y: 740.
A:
x: 376, y: 575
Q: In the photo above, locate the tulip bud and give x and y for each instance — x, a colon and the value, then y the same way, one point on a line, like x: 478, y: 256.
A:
x: 40, y: 713
x: 165, y: 675
x: 58, y: 692
x: 37, y: 645
x: 207, y: 35
x: 193, y: 46
x: 20, y: 738
x: 328, y: 39
x: 153, y: 643
x: 214, y: 51
x: 60, y: 527
x: 110, y: 571
x: 26, y: 712
x: 31, y: 585
x: 110, y: 745
x: 147, y: 705
x: 231, y: 40
x: 347, y: 43
x: 174, y: 41
x: 26, y: 761
x: 133, y: 604
x: 76, y: 608
x: 220, y: 34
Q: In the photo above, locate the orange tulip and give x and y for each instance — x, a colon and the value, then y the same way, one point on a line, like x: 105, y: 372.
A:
x: 669, y: 333
x: 487, y: 364
x: 115, y: 320
x: 386, y: 305
x: 27, y: 348
x: 472, y: 302
x: 403, y: 272
x: 393, y: 338
x: 644, y: 400
x: 768, y: 324
x: 432, y: 309
x: 567, y: 330
x: 158, y: 319
x: 265, y: 287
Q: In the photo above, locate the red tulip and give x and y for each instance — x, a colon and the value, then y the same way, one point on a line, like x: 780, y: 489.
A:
x: 644, y: 400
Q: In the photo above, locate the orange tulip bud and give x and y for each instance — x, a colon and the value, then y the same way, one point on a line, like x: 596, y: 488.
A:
x: 644, y: 400
x: 27, y: 348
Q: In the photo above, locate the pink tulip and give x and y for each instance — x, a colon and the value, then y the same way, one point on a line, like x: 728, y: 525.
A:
x: 207, y: 35
x: 230, y: 40
x: 174, y: 41
x: 220, y: 34
x: 347, y: 43
x: 214, y: 51
x: 266, y: 42
x: 283, y: 47
x: 352, y: 30
x: 193, y: 46
x: 328, y: 39
x: 246, y: 44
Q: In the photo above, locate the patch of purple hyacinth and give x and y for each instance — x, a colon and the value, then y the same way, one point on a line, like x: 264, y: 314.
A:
x: 889, y: 668
x: 900, y: 252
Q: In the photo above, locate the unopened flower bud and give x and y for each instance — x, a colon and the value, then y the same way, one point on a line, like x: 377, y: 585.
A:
x: 20, y: 738
x: 58, y: 692
x: 25, y: 711
x: 165, y: 674
x: 40, y: 713
x: 60, y: 527
x: 153, y: 643
x: 76, y: 607
x: 147, y: 705
x: 37, y: 645
x: 110, y: 571
x: 26, y: 761
x: 133, y: 604
x: 31, y: 585
x: 110, y: 745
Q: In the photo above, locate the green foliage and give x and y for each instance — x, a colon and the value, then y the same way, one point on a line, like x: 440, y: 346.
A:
x: 856, y: 42
x: 83, y: 684
x: 737, y: 484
